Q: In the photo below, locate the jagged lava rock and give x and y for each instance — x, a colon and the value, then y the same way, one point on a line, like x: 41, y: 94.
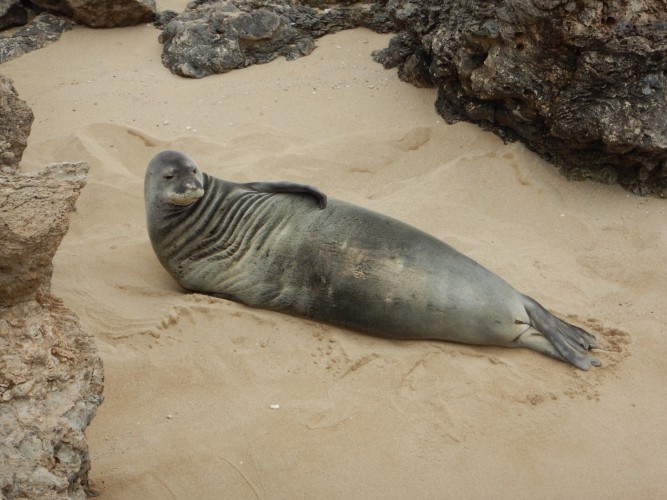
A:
x: 221, y: 35
x: 41, y: 31
x: 103, y: 13
x: 51, y: 377
x: 582, y: 83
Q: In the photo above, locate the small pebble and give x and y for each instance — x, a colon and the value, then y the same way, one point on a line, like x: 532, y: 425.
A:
x: 169, y: 417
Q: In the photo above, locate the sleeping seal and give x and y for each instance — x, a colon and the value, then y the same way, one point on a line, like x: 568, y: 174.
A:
x: 283, y: 246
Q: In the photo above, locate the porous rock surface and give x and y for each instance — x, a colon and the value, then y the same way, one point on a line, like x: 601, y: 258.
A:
x: 51, y: 376
x: 41, y: 31
x: 103, y: 13
x: 15, y: 121
x: 216, y: 36
x: 582, y: 83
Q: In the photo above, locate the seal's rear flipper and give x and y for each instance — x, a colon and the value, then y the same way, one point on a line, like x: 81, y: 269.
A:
x: 568, y: 342
x: 289, y: 187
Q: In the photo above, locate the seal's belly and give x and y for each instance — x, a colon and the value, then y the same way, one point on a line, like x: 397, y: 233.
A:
x: 423, y: 295
x: 355, y: 268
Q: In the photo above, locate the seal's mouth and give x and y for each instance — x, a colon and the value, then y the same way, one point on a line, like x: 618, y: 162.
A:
x: 186, y: 198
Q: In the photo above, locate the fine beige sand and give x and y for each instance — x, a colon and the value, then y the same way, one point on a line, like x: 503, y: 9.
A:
x: 208, y: 399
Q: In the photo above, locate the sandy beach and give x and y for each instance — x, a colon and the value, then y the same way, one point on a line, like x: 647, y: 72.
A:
x: 205, y: 398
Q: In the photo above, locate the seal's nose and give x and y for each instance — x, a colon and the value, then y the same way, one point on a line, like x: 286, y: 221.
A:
x: 193, y: 185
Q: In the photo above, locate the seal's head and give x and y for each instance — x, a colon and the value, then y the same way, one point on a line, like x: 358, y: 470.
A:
x: 172, y: 178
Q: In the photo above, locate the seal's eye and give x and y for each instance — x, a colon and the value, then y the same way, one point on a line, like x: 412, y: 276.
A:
x: 169, y: 177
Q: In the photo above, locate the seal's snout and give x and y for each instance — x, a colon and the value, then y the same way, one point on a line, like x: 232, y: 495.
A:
x: 184, y: 190
x: 193, y: 185
x: 188, y: 197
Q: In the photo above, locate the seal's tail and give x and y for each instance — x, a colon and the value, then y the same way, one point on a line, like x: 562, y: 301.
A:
x: 571, y: 343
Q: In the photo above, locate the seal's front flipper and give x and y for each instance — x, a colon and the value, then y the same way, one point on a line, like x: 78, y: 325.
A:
x: 289, y: 187
x: 570, y: 343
